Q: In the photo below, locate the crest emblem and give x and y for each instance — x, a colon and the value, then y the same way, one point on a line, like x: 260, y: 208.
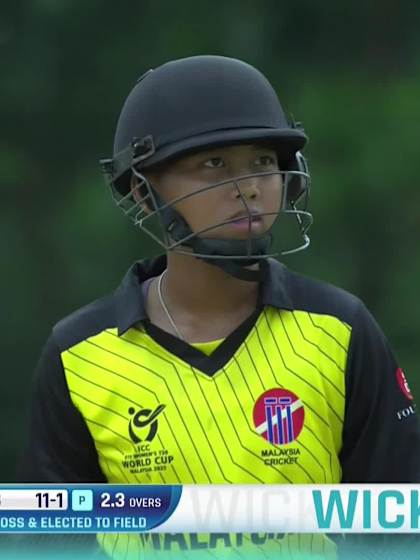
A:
x: 278, y: 416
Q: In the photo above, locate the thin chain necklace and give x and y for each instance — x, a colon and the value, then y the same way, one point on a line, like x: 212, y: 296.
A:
x: 165, y: 308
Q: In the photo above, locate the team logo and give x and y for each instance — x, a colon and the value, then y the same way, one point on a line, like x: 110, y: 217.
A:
x: 144, y: 421
x: 278, y: 416
x: 403, y: 384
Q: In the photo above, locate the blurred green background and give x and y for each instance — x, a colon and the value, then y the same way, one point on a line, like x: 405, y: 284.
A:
x: 349, y: 71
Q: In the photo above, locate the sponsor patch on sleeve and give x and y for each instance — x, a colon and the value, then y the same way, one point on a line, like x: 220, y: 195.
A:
x: 403, y: 384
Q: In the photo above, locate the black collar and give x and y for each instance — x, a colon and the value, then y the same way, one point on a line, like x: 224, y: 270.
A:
x: 129, y: 298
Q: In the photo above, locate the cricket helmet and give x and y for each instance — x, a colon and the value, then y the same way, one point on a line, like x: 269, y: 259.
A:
x: 193, y: 104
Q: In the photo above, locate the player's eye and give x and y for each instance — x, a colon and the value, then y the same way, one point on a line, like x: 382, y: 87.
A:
x: 214, y: 162
x: 266, y: 161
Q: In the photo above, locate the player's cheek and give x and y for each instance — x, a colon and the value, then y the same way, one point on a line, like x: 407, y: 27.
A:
x: 197, y: 214
x: 273, y: 197
x: 271, y: 209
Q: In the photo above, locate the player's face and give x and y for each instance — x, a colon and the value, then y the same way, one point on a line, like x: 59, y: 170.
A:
x: 234, y: 200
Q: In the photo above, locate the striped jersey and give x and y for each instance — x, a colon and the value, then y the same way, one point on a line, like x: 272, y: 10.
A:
x: 305, y: 391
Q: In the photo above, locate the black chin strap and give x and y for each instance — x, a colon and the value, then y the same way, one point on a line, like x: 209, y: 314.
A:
x: 218, y: 251
x: 237, y: 270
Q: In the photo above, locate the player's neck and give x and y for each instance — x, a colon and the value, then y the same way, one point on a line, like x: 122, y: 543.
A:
x: 201, y: 288
x: 204, y: 302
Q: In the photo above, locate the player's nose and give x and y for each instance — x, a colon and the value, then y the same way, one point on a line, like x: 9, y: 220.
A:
x: 247, y: 188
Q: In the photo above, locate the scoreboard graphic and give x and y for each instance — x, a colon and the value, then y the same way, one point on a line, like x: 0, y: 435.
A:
x: 77, y: 508
x: 80, y: 508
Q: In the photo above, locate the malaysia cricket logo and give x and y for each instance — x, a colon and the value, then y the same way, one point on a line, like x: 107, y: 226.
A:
x: 278, y: 416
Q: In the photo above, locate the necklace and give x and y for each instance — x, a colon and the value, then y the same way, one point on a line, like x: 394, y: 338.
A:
x: 165, y: 308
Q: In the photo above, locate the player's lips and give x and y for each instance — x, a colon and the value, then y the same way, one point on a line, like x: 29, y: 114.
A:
x: 246, y: 220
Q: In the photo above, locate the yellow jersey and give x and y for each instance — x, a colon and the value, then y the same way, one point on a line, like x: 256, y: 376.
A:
x: 287, y: 398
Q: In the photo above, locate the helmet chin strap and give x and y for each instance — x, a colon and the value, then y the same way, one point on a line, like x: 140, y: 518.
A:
x: 218, y: 252
x: 240, y: 271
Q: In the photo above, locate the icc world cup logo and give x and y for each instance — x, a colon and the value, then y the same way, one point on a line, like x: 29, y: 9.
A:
x: 146, y: 421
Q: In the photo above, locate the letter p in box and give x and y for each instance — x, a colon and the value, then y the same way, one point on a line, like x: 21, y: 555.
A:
x: 82, y: 500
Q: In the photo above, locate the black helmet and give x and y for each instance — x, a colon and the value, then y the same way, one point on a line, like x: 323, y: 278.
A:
x: 198, y: 103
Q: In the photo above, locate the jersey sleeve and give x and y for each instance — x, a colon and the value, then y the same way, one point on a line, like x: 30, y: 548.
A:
x: 59, y: 447
x: 381, y: 435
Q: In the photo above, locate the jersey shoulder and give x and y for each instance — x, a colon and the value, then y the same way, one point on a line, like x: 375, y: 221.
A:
x: 85, y: 322
x: 315, y: 296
